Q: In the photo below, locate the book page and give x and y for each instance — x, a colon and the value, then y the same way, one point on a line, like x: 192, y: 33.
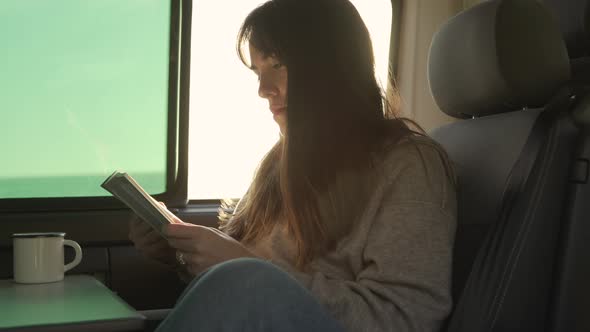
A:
x: 126, y: 189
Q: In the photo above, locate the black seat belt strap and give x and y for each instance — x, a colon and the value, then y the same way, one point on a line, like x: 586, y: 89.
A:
x: 488, y: 279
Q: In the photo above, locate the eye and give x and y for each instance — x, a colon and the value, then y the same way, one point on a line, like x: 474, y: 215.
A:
x: 277, y: 65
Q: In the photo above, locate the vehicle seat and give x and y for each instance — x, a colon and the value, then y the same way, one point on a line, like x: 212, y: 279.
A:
x: 573, y: 17
x: 572, y: 290
x: 502, y: 67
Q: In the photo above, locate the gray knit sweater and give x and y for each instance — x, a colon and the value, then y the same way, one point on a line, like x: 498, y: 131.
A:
x: 393, y: 272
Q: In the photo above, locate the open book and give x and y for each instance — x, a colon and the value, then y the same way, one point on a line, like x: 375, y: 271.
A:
x: 126, y: 189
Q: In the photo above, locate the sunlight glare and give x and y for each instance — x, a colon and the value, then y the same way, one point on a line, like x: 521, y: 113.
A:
x: 231, y: 127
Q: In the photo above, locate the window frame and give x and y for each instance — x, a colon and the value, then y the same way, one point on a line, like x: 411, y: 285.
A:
x: 175, y: 193
x: 394, y: 40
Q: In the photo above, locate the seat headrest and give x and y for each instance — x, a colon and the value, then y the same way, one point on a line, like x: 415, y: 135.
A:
x: 573, y: 17
x: 495, y: 57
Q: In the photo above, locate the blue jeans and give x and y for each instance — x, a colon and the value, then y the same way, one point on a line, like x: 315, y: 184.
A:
x: 247, y: 294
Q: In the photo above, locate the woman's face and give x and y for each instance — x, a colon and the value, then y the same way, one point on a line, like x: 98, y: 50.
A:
x: 272, y: 78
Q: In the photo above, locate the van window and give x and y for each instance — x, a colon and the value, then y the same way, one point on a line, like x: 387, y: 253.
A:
x: 83, y: 92
x: 230, y: 126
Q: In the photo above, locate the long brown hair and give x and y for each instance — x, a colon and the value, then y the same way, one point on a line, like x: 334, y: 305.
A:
x: 338, y: 123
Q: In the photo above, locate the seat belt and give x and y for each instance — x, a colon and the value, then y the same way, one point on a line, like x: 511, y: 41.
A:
x: 521, y: 170
x: 515, y: 185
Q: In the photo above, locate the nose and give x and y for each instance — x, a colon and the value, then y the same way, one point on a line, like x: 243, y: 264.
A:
x: 267, y: 87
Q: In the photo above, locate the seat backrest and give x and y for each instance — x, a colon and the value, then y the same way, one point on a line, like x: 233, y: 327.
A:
x: 573, y: 17
x: 499, y: 64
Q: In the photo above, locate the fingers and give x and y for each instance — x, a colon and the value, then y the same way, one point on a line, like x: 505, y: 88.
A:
x: 184, y: 231
x: 195, y: 264
x: 152, y: 238
x: 183, y: 245
x: 216, y: 230
x: 136, y: 235
x: 152, y: 246
x: 140, y: 236
x: 157, y: 250
x: 161, y: 253
x: 150, y: 243
x: 144, y: 236
x: 138, y: 227
x: 139, y: 231
x: 175, y: 219
x: 221, y: 233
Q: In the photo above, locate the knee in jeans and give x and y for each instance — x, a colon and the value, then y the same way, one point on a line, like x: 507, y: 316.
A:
x: 243, y: 266
x: 250, y: 270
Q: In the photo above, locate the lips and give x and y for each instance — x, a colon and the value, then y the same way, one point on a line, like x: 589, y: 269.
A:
x: 277, y: 109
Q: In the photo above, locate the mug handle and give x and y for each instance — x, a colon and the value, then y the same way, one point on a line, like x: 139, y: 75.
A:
x: 77, y: 258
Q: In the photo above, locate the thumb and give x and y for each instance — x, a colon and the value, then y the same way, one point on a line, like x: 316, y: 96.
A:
x: 174, y: 218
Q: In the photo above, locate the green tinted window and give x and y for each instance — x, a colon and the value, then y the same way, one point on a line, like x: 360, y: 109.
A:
x: 83, y: 92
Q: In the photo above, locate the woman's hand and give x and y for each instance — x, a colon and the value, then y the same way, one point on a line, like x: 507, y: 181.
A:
x: 202, y: 247
x: 150, y: 243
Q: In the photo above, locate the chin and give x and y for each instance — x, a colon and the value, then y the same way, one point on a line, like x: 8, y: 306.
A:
x: 283, y: 129
x: 282, y: 122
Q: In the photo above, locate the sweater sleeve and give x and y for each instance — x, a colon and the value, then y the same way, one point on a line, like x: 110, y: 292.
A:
x: 404, y: 284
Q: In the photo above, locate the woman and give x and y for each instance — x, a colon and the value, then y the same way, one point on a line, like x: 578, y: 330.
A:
x: 349, y: 222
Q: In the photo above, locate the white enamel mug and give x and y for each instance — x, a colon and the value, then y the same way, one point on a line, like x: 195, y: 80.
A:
x: 39, y: 257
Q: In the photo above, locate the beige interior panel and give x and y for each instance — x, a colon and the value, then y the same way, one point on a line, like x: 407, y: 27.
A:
x: 420, y: 19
